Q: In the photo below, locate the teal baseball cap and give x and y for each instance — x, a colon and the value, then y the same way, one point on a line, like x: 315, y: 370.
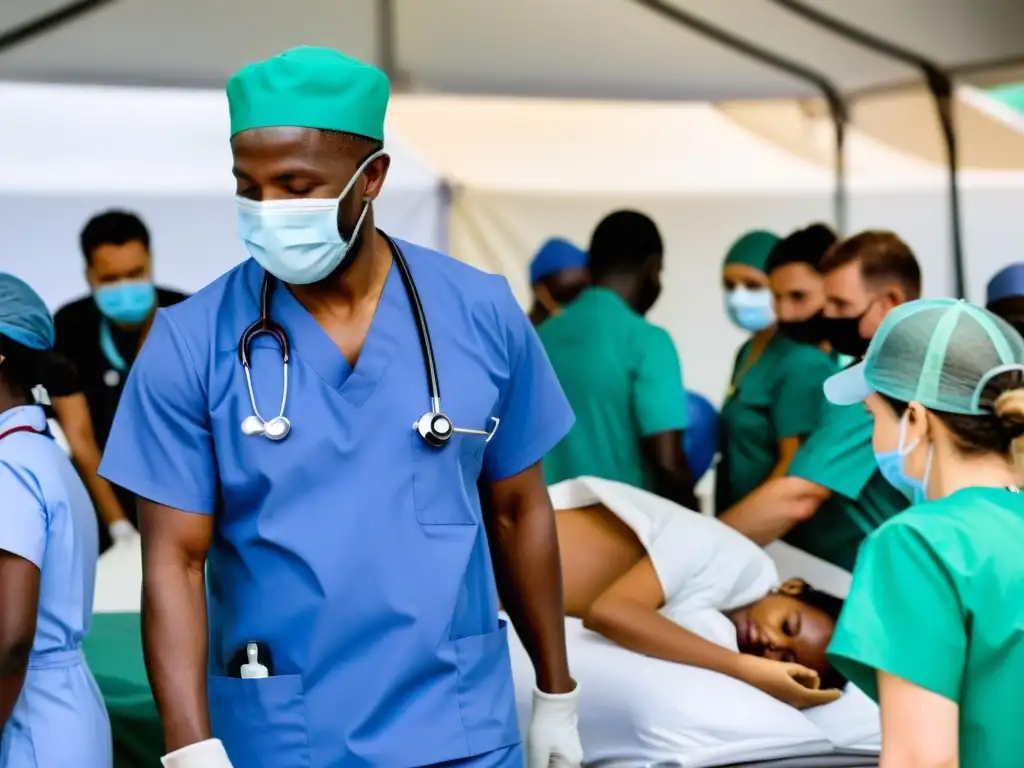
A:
x: 937, y: 352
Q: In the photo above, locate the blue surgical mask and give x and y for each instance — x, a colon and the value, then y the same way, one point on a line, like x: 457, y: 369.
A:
x: 892, y: 466
x: 297, y: 241
x: 750, y: 309
x: 127, y: 303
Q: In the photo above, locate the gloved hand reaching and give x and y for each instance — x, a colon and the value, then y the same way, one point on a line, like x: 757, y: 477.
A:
x: 202, y: 754
x: 794, y: 684
x: 554, y: 740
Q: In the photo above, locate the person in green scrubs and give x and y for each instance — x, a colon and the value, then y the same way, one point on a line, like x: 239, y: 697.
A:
x: 933, y: 627
x: 620, y: 372
x: 774, y: 395
x: 833, y: 496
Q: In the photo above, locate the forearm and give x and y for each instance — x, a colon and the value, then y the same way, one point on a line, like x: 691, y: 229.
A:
x: 894, y: 758
x: 13, y: 667
x: 770, y: 511
x: 640, y: 629
x: 528, y: 573
x: 174, y: 632
x: 108, y: 507
x: 676, y: 485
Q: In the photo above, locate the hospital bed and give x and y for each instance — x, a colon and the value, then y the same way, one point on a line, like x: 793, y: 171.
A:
x: 638, y: 712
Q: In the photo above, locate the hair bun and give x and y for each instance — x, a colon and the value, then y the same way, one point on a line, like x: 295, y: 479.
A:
x: 1009, y: 409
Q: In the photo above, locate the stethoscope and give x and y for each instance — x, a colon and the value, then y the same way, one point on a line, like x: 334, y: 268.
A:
x: 434, y: 426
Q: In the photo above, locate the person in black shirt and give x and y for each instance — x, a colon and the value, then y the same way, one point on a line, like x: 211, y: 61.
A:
x: 101, y: 334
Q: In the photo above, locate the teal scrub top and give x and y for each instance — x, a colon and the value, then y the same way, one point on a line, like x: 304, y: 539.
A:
x: 623, y: 379
x: 937, y: 599
x: 838, y: 456
x: 780, y: 395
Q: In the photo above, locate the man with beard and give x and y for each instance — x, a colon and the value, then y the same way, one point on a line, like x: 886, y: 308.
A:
x: 557, y: 275
x: 833, y: 494
x: 620, y: 372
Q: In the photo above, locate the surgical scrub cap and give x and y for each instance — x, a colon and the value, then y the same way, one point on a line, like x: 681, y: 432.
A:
x: 554, y: 256
x: 310, y: 87
x: 752, y: 249
x: 1007, y: 283
x: 938, y: 352
x: 24, y: 317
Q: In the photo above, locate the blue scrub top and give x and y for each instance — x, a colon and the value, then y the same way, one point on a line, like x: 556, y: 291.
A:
x: 47, y: 518
x: 352, y: 549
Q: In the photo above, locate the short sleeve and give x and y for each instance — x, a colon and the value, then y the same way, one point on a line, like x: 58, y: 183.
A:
x: 23, y: 521
x: 534, y: 412
x: 801, y: 395
x: 659, y: 398
x: 837, y: 455
x: 160, y: 445
x: 902, y: 616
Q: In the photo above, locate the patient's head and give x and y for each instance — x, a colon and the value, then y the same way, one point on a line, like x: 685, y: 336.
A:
x: 793, y: 623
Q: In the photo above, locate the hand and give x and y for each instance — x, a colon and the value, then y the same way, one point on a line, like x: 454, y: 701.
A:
x: 121, y: 531
x: 554, y: 739
x: 202, y: 754
x: 793, y: 684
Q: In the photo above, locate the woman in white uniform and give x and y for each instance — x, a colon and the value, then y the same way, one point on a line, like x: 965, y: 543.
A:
x: 51, y: 711
x: 661, y: 580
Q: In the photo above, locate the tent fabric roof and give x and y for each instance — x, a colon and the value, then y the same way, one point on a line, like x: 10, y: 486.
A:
x: 569, y: 48
x: 110, y: 139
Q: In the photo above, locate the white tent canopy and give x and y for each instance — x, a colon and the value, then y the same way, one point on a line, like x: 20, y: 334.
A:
x: 569, y: 48
x: 72, y: 151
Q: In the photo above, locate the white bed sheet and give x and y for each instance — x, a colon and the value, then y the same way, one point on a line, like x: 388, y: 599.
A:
x: 637, y: 711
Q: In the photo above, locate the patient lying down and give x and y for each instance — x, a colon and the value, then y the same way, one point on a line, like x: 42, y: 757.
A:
x: 661, y: 580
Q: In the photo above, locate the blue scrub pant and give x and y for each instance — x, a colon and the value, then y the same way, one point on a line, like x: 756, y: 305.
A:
x: 506, y: 757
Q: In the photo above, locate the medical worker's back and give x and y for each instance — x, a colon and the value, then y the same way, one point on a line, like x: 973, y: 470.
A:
x: 59, y: 719
x: 622, y: 377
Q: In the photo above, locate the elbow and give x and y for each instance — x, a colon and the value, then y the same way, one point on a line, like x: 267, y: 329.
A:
x: 600, y: 617
x: 805, y: 508
x: 14, y: 655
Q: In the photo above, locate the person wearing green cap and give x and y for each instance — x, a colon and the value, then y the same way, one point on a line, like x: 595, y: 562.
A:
x: 341, y: 527
x: 933, y: 627
x: 832, y: 494
x: 774, y: 395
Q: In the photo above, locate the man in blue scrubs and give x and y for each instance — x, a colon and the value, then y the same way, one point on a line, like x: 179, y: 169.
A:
x: 351, y: 554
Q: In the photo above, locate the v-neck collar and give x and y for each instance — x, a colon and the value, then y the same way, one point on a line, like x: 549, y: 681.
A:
x: 310, y: 342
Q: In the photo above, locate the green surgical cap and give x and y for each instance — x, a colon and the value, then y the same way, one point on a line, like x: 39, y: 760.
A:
x: 310, y: 87
x: 938, y: 352
x: 752, y: 249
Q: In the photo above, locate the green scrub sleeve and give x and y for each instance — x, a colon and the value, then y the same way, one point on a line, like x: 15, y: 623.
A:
x: 801, y: 396
x: 659, y: 398
x: 902, y: 616
x: 837, y: 455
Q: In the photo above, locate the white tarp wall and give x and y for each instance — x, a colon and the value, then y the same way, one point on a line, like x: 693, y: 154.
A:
x: 71, y: 152
x: 524, y: 170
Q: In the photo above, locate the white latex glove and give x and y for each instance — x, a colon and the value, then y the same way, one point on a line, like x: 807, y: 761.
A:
x: 121, y: 531
x: 554, y: 739
x: 202, y: 754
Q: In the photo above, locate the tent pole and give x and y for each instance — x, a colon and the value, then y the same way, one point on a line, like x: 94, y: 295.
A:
x: 48, y: 22
x: 836, y: 104
x: 941, y: 86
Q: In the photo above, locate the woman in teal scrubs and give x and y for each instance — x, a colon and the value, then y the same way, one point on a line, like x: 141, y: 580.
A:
x: 933, y: 627
x: 774, y: 395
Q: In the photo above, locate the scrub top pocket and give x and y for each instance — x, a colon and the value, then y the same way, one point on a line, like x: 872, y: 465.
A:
x: 487, y: 699
x: 261, y: 722
x: 444, y: 480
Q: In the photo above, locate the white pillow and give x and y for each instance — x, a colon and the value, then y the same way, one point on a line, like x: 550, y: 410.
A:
x: 635, y: 710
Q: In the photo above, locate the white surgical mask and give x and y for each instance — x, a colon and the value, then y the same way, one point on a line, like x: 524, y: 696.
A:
x: 750, y: 308
x: 297, y: 241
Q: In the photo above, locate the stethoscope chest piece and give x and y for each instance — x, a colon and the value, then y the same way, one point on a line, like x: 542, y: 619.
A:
x: 275, y: 429
x: 434, y: 428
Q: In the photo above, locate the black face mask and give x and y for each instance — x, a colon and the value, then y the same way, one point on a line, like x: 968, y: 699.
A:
x: 844, y: 335
x: 809, y: 331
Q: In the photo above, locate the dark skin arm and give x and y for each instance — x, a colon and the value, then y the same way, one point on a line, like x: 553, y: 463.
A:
x: 19, y: 604
x: 174, y: 626
x: 673, y: 479
x: 524, y: 546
